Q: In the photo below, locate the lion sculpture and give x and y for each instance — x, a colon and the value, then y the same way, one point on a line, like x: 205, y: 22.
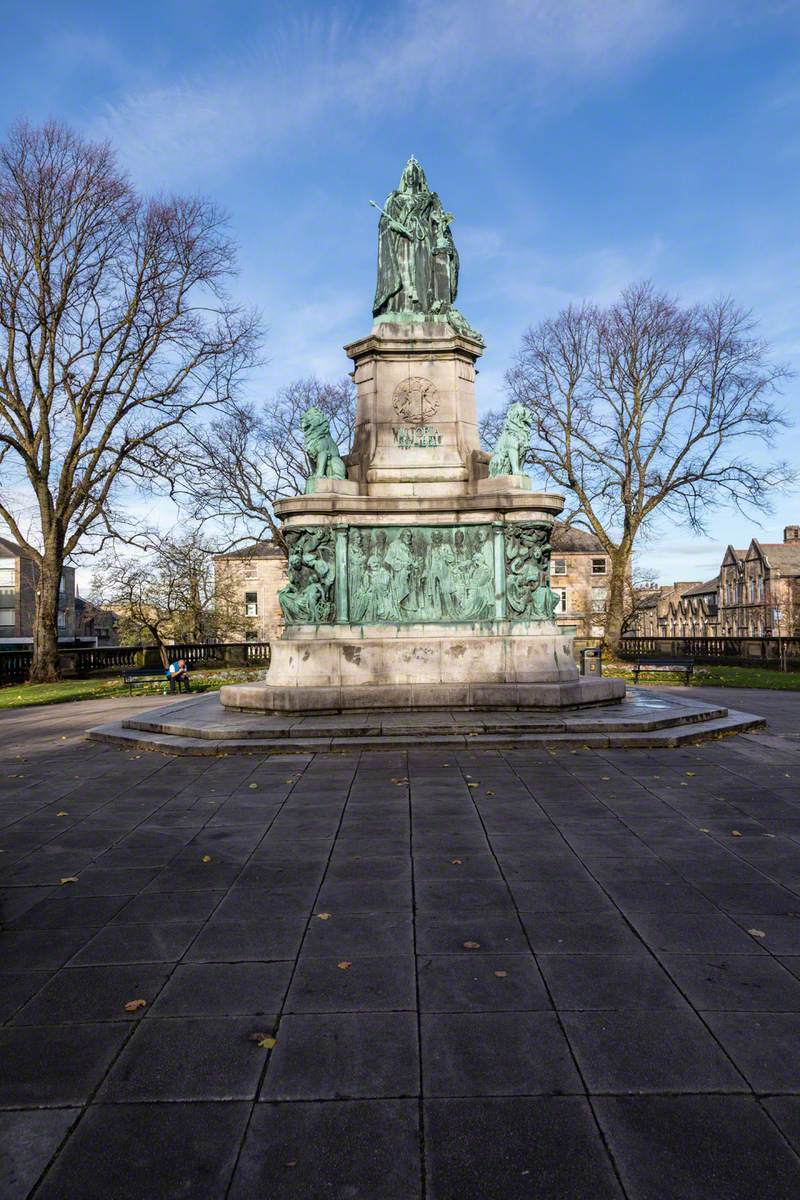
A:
x: 322, y: 451
x: 509, y: 452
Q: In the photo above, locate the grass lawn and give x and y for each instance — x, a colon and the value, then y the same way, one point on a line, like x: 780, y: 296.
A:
x: 714, y: 676
x: 23, y: 695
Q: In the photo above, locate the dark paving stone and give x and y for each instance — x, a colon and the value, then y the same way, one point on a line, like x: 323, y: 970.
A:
x: 580, y: 933
x: 360, y: 1149
x: 480, y: 983
x: 78, y: 994
x: 199, y: 877
x: 162, y: 909
x: 520, y: 1149
x: 56, y: 1065
x: 469, y: 895
x: 135, y: 1150
x: 32, y: 949
x: 488, y: 933
x: 649, y: 1051
x: 785, y: 1111
x: 737, y: 983
x: 560, y: 895
x: 349, y: 935
x: 262, y: 941
x: 764, y: 1046
x: 195, y: 1058
x: 781, y: 933
x: 28, y: 1141
x: 442, y: 866
x: 697, y: 1148
x: 67, y: 913
x: 224, y: 990
x: 346, y: 1056
x: 602, y: 981
x: 495, y: 1054
x: 647, y: 896
x: 692, y: 933
x: 355, y: 870
x: 137, y: 943
x: 17, y: 987
x: 368, y: 984
x: 370, y: 896
x: 116, y: 881
x: 251, y: 904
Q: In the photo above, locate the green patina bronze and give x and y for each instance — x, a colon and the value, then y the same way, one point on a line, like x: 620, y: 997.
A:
x: 529, y: 596
x: 512, y: 445
x: 417, y: 258
x: 308, y: 598
x: 407, y: 575
x: 323, y: 453
x: 418, y: 574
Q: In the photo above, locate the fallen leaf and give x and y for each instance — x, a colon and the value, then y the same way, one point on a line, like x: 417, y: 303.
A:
x: 456, y: 862
x: 62, y: 814
x: 472, y: 945
x: 473, y: 785
x: 705, y: 830
x: 206, y: 858
x: 501, y: 974
x: 135, y: 1005
x: 735, y: 833
x: 344, y: 965
x: 265, y: 1040
x: 691, y: 774
x: 69, y: 879
x: 324, y: 916
x: 252, y: 786
x: 291, y: 1163
x: 488, y: 793
x: 605, y: 777
x: 759, y: 933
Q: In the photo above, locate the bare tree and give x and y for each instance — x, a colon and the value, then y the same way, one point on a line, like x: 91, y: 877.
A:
x: 646, y: 408
x: 169, y: 593
x: 115, y: 331
x: 643, y: 585
x: 240, y: 464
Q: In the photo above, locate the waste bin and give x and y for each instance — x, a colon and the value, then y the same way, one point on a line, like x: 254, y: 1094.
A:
x: 592, y: 661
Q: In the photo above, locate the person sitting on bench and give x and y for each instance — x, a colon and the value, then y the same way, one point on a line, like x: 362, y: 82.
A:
x: 178, y: 673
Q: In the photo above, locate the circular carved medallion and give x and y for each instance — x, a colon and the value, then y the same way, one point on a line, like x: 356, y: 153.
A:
x: 416, y: 400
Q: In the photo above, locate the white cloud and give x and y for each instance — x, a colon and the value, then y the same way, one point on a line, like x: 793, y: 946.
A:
x: 330, y: 71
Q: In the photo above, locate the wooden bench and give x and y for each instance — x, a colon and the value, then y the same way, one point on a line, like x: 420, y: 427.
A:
x: 136, y: 675
x: 664, y: 664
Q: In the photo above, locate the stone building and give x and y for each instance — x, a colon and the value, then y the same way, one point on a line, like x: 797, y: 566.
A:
x: 759, y: 593
x: 92, y: 622
x: 18, y: 576
x: 579, y: 575
x: 251, y: 578
x: 756, y: 594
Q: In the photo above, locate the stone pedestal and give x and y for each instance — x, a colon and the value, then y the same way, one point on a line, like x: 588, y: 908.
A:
x: 419, y: 581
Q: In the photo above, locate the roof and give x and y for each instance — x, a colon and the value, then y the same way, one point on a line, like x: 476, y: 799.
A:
x: 782, y: 556
x: 703, y: 589
x: 265, y: 549
x: 579, y: 541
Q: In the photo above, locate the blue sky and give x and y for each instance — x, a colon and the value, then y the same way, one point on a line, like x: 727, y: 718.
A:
x: 582, y: 144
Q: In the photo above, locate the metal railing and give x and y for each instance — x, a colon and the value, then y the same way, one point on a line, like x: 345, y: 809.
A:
x: 15, y: 665
x: 735, y: 651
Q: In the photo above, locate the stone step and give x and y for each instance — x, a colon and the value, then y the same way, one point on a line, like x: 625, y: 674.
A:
x: 676, y: 734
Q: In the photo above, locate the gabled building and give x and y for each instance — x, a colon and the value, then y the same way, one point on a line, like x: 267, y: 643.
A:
x: 760, y: 588
x: 658, y: 613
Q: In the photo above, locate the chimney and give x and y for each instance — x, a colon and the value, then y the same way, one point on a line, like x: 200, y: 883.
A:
x: 791, y: 533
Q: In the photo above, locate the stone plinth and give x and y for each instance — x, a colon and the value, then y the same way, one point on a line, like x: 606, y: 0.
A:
x: 416, y: 416
x: 500, y: 484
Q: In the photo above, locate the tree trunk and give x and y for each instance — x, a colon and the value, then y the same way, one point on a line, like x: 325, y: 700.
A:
x: 615, y: 609
x: 46, y: 665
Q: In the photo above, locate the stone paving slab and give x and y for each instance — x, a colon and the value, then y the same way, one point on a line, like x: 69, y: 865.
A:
x: 528, y: 970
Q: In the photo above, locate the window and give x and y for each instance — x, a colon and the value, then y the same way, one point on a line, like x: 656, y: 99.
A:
x: 598, y: 566
x: 561, y: 598
x: 250, y: 635
x: 8, y: 618
x: 62, y: 620
x: 251, y: 604
x: 752, y: 590
x: 599, y: 597
x: 559, y: 566
x: 8, y: 575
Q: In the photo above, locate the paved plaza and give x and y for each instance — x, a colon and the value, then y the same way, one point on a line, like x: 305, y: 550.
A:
x: 454, y: 974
